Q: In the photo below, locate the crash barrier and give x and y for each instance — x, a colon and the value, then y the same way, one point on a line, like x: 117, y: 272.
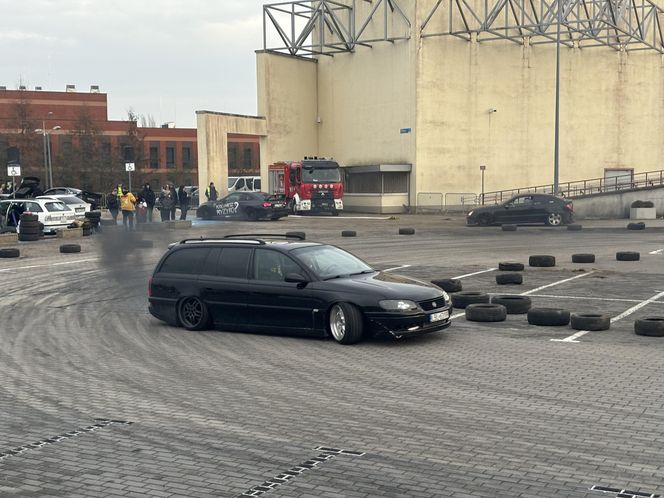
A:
x: 429, y: 202
x: 460, y: 201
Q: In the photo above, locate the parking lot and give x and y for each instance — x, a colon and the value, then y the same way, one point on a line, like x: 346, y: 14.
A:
x: 101, y: 399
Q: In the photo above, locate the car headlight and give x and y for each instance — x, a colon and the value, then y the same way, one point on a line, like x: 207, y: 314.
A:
x: 398, y: 305
x: 471, y: 214
x: 446, y: 296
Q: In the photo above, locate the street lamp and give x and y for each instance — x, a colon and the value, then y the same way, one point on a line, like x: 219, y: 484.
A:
x: 48, y: 163
x: 556, y: 133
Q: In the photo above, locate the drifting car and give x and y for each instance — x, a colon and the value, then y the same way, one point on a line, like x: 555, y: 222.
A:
x: 244, y: 206
x: 280, y: 284
x: 78, y: 205
x: 524, y: 209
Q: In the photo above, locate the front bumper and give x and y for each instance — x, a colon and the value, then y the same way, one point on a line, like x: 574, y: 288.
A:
x: 397, y: 326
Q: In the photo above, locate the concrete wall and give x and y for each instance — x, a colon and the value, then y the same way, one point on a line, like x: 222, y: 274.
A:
x: 616, y: 205
x: 213, y: 129
x: 375, y: 203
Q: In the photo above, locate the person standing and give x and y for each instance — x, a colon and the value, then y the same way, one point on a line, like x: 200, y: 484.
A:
x: 149, y: 198
x: 128, y: 206
x: 113, y: 204
x: 174, y: 195
x: 167, y: 204
x: 183, y: 198
x: 211, y: 192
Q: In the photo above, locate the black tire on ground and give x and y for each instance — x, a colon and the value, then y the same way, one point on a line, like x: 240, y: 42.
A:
x: 464, y: 298
x: 28, y: 238
x: 406, y: 231
x: 70, y: 248
x: 345, y: 323
x: 583, y: 258
x: 448, y: 284
x: 574, y: 227
x: 542, y: 261
x: 636, y: 226
x: 509, y: 278
x: 508, y: 228
x: 515, y: 305
x: 297, y: 235
x: 348, y: 233
x: 29, y: 217
x: 628, y: 256
x: 652, y: 326
x: 510, y: 266
x: 548, y: 316
x: 143, y: 243
x: 9, y: 252
x: 192, y: 313
x: 590, y: 321
x: 485, y: 312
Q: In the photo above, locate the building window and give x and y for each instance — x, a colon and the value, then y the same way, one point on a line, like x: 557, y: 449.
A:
x: 170, y: 157
x: 363, y: 183
x: 186, y: 156
x: 154, y: 156
x: 395, y: 183
x: 232, y: 157
x: 247, y: 157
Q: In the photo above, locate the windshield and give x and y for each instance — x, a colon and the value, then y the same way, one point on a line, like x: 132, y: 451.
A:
x: 56, y: 207
x: 329, y: 262
x: 320, y: 175
x: 71, y: 200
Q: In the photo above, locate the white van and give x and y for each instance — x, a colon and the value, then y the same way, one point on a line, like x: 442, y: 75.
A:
x: 244, y: 183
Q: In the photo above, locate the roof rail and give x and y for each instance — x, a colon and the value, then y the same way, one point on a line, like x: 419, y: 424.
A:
x: 270, y: 235
x: 215, y: 239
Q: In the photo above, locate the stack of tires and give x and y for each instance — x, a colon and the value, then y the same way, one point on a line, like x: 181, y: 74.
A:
x: 93, y: 219
x: 87, y: 228
x: 30, y: 228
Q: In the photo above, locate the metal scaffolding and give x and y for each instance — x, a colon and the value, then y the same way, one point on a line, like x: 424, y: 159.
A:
x: 620, y: 24
x: 327, y: 27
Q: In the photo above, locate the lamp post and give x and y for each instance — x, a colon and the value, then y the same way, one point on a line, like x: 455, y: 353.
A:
x: 48, y: 163
x: 482, y: 169
x: 556, y: 133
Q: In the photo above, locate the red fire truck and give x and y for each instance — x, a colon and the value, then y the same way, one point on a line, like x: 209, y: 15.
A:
x: 312, y: 185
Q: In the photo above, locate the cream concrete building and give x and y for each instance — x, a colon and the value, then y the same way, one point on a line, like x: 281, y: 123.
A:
x: 413, y: 111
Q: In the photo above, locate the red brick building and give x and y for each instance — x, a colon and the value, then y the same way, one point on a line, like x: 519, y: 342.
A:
x: 89, y: 151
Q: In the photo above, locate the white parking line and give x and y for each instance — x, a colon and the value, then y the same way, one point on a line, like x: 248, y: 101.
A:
x: 527, y: 293
x: 476, y: 273
x: 584, y: 298
x: 52, y: 264
x: 398, y: 267
x: 658, y: 251
x: 622, y: 315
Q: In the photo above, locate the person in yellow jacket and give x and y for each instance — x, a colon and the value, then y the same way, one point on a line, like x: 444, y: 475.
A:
x: 128, y: 206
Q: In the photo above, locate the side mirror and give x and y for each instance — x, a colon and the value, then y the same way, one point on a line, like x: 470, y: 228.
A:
x: 296, y: 278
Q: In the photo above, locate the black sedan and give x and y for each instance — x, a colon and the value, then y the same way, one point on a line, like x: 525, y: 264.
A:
x: 244, y: 206
x: 268, y: 284
x: 525, y: 209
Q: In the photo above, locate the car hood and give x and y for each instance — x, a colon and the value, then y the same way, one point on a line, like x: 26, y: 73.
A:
x: 389, y: 285
x: 483, y: 209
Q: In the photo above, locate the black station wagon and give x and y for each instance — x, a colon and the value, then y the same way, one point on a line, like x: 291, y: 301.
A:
x: 282, y: 285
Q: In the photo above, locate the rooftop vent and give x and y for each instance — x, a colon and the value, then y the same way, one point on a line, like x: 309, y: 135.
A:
x: 21, y: 87
x: 71, y: 88
x: 38, y: 88
x: 3, y: 88
x: 94, y: 88
x: 170, y: 124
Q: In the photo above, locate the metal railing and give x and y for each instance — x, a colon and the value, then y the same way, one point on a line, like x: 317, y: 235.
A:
x: 584, y: 187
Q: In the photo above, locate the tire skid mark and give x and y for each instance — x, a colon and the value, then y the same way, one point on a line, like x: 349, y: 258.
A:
x: 101, y: 424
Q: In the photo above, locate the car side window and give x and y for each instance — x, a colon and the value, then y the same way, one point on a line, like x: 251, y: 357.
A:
x: 33, y: 207
x: 231, y: 198
x: 273, y: 265
x: 186, y: 261
x: 257, y: 183
x: 234, y: 262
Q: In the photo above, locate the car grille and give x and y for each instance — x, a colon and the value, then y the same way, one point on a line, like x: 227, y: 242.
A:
x: 432, y: 304
x: 321, y: 194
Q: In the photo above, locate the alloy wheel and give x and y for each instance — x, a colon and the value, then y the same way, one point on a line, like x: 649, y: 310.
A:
x: 191, y: 312
x: 554, y: 219
x: 337, y: 322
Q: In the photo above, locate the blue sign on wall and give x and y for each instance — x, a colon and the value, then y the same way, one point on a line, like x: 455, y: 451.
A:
x: 405, y: 130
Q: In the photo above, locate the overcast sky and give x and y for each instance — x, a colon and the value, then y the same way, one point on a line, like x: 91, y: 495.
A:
x: 164, y: 58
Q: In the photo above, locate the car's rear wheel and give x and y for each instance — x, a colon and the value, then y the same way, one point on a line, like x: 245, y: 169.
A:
x: 554, y: 219
x: 484, y: 220
x: 193, y: 313
x: 345, y: 323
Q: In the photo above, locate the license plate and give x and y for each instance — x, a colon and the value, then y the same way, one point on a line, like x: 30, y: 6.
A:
x: 441, y: 315
x: 278, y: 205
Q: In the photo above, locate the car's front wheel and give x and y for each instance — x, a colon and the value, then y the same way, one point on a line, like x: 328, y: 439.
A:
x: 345, y: 323
x: 193, y: 313
x: 554, y: 219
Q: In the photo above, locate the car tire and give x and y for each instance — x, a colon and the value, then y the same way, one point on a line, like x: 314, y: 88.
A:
x: 486, y: 312
x: 70, y: 248
x: 448, y: 284
x: 552, y: 317
x: 348, y: 233
x: 508, y: 228
x: 515, y: 305
x: 205, y: 213
x: 406, y: 231
x: 464, y: 298
x: 574, y: 227
x: 192, y: 313
x: 554, y: 219
x: 652, y: 326
x: 542, y: 261
x: 29, y: 217
x: 31, y: 230
x: 510, y: 266
x: 345, y: 323
x: 583, y: 258
x: 28, y: 238
x: 636, y: 226
x: 509, y: 278
x: 628, y: 256
x: 297, y: 235
x: 484, y: 220
x: 9, y: 252
x: 590, y: 321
